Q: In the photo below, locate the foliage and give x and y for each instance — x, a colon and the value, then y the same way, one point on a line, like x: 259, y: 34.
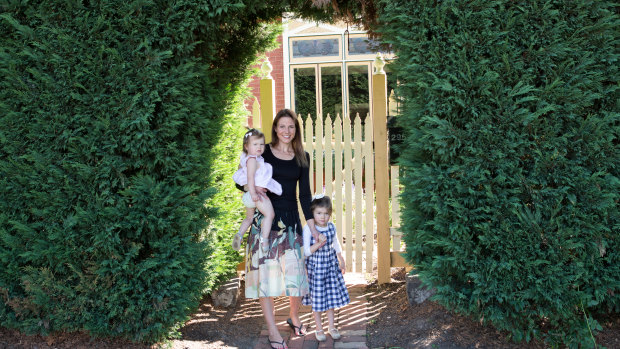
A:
x: 119, y: 125
x: 511, y: 183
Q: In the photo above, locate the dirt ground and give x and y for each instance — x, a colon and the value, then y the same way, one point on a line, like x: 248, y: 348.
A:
x: 392, y: 323
x: 396, y: 324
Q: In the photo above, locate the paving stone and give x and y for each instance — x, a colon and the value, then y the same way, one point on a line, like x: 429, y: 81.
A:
x: 350, y: 320
x: 353, y: 332
x: 353, y: 338
x: 227, y: 294
x: 351, y: 345
x: 329, y: 343
x: 265, y: 332
x: 354, y: 327
x: 295, y: 342
x: 310, y: 345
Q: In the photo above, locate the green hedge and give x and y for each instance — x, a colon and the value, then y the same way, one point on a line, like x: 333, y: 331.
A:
x: 511, y: 174
x: 120, y: 126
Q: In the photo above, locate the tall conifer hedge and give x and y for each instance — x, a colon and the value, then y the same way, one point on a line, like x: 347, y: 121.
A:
x: 511, y: 170
x: 120, y: 127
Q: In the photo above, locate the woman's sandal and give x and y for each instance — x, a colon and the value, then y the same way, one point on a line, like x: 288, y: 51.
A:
x: 297, y: 329
x: 283, y: 344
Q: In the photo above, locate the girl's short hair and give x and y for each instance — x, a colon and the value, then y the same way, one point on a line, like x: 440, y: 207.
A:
x: 251, y: 133
x: 324, y: 202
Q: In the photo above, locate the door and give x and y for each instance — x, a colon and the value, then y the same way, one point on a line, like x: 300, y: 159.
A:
x: 317, y: 89
x: 358, y: 89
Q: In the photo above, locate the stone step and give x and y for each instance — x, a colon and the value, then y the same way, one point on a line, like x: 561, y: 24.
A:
x: 227, y: 294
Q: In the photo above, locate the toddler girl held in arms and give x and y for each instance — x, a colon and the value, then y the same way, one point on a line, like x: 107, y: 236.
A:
x: 325, y: 267
x: 255, y: 172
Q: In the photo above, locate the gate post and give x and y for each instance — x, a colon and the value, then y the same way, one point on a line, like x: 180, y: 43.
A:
x: 379, y: 120
x: 267, y: 99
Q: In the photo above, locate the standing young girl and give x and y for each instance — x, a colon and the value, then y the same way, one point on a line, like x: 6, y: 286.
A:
x: 254, y: 172
x: 325, y: 268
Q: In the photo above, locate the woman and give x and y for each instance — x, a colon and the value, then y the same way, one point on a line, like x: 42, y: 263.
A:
x: 280, y: 270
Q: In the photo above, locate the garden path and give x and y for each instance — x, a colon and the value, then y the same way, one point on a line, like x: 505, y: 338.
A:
x: 351, y: 321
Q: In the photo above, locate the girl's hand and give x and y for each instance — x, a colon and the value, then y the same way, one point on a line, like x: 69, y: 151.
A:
x: 322, y: 240
x: 342, y: 265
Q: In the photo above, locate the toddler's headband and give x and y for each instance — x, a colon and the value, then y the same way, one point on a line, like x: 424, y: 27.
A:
x: 318, y: 196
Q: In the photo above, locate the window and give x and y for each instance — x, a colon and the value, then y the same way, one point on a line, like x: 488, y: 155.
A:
x: 316, y: 48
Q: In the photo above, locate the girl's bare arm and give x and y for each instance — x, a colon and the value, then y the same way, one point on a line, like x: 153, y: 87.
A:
x: 252, y: 166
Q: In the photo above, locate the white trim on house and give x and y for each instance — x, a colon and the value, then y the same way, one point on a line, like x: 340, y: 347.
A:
x: 344, y: 60
x: 285, y: 63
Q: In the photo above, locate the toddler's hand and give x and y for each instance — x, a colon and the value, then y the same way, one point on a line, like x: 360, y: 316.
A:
x: 343, y: 265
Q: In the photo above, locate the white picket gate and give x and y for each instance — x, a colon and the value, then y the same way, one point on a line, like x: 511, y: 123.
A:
x: 342, y: 167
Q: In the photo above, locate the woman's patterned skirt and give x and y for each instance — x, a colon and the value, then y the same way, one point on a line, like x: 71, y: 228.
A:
x: 281, y: 270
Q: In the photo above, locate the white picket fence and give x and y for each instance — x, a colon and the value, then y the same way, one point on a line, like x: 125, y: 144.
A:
x: 342, y: 167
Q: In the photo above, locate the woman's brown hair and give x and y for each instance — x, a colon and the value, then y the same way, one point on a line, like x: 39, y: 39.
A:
x: 298, y: 147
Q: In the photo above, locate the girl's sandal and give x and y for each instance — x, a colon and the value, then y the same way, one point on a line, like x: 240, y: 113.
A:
x: 299, y: 330
x: 283, y: 344
x: 236, y: 244
x: 334, y: 333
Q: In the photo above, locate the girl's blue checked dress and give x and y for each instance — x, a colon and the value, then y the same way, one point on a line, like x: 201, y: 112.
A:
x: 327, y: 287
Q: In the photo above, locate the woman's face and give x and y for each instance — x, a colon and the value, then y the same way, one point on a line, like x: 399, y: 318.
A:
x: 285, y: 129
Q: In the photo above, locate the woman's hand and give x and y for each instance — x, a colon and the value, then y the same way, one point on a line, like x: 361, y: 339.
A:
x: 313, y: 231
x: 261, y: 193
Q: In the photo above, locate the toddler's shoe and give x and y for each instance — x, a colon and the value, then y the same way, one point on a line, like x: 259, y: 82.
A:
x: 334, y: 333
x: 236, y: 243
x: 320, y: 336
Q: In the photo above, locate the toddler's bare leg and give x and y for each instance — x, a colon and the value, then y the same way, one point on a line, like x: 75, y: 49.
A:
x: 249, y: 216
x: 247, y: 221
x: 317, y: 321
x: 330, y: 318
x: 333, y: 331
x: 265, y: 207
x: 318, y: 332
